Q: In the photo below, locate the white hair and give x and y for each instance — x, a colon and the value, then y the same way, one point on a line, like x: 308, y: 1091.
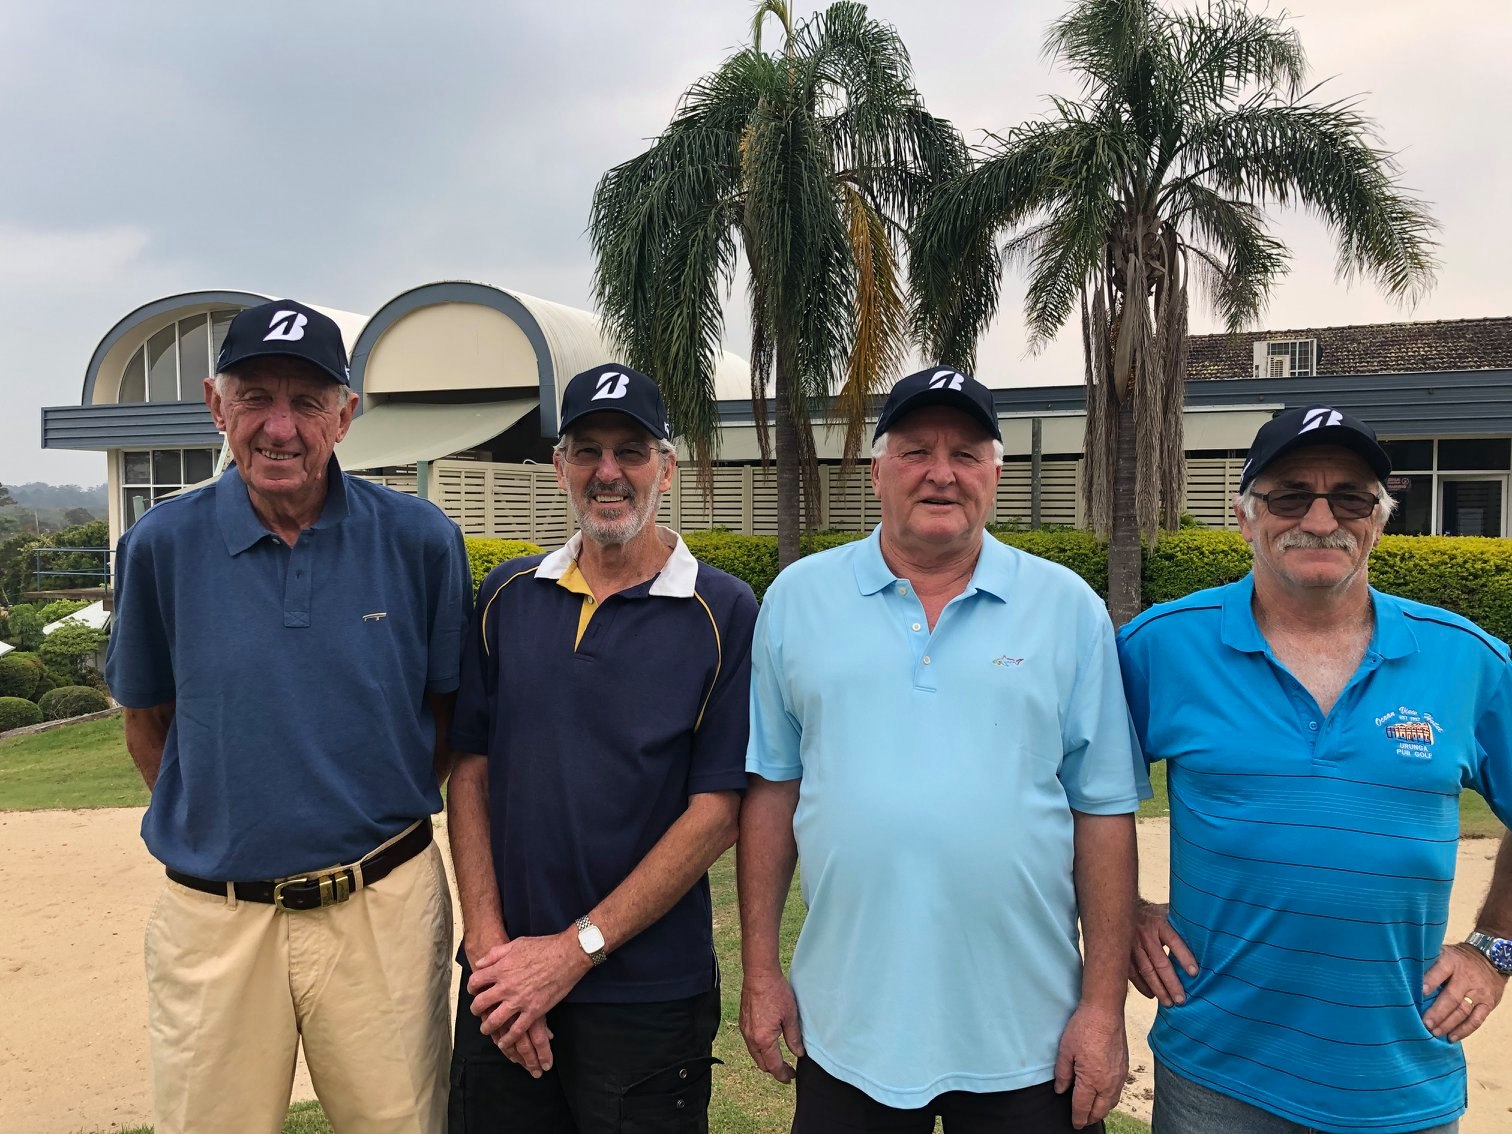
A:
x: 879, y: 448
x: 1385, y: 507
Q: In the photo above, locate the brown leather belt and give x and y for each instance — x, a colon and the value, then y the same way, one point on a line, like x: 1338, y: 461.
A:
x: 324, y: 887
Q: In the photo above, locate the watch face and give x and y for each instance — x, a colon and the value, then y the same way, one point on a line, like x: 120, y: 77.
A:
x: 1501, y: 955
x: 591, y: 940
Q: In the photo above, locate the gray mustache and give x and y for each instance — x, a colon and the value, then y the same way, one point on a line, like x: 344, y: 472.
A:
x: 1339, y: 540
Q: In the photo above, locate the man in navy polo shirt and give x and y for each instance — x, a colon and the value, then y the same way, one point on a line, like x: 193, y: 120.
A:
x: 938, y: 731
x: 1318, y: 734
x: 286, y: 643
x: 601, y: 732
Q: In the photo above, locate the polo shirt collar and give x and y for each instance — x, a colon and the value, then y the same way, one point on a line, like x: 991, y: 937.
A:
x: 240, y: 528
x: 1392, y: 637
x: 992, y: 574
x: 676, y: 579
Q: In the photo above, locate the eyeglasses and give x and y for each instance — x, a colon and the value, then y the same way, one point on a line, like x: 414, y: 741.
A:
x: 631, y: 455
x: 1343, y: 505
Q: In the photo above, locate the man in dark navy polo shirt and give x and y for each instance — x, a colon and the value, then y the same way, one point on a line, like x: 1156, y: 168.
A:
x: 286, y: 643
x: 600, y: 731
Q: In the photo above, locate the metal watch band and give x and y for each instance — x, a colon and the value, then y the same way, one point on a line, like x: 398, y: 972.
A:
x: 598, y: 956
x: 1497, y: 950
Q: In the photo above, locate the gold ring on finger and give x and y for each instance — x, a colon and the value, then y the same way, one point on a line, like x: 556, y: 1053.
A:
x: 1469, y: 1002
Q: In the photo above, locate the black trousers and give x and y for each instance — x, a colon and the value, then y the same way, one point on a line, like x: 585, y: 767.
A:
x: 826, y: 1105
x: 616, y: 1069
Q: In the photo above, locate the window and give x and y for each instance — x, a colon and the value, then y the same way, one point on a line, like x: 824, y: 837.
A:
x: 170, y: 365
x: 149, y: 475
x: 1286, y: 358
x: 1450, y: 486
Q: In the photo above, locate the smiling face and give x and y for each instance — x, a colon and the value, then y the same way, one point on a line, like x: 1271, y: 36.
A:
x: 1315, y: 551
x: 614, y: 503
x: 936, y: 482
x: 282, y: 418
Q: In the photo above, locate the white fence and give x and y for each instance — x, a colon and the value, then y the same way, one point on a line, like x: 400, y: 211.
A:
x: 524, y: 502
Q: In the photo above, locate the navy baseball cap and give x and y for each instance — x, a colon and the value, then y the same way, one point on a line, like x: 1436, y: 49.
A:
x: 939, y: 386
x: 1295, y: 429
x: 612, y: 388
x: 287, y: 328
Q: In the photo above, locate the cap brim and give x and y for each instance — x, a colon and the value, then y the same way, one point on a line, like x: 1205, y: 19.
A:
x: 1344, y: 437
x: 339, y: 379
x: 655, y: 430
x: 955, y: 399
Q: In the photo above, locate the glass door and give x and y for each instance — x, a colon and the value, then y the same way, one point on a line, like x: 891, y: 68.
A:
x: 1472, y: 505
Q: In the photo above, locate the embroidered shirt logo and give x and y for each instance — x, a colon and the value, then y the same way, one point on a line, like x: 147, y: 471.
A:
x: 376, y: 616
x: 286, y: 325
x: 1413, y: 731
x: 1005, y: 661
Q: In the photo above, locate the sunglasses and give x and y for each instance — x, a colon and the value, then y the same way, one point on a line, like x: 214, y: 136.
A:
x: 631, y: 455
x: 1344, y: 505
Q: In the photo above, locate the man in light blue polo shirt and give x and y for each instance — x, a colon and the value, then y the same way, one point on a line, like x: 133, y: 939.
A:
x: 1317, y: 735
x: 938, y: 731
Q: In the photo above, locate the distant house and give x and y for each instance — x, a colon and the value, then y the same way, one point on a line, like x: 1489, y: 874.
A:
x: 460, y: 384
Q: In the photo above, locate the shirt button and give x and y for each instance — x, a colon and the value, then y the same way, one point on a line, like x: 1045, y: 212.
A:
x: 926, y: 659
x: 1312, y: 726
x: 902, y: 590
x: 916, y: 626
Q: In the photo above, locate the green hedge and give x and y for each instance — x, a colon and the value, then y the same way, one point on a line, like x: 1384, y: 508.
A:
x: 20, y: 674
x: 71, y: 701
x: 18, y: 712
x: 483, y: 555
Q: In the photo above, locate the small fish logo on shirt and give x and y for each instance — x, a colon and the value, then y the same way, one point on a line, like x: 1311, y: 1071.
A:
x: 376, y: 616
x: 1006, y: 661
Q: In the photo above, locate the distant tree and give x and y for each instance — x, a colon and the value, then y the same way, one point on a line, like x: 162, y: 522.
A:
x: 5, y: 496
x: 23, y: 627
x: 73, y: 517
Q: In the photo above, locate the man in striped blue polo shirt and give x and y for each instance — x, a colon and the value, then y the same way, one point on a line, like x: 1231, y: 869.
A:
x: 601, y: 732
x: 1318, y: 734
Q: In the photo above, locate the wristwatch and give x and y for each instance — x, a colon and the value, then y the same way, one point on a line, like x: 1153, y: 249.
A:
x: 1497, y: 950
x: 592, y: 941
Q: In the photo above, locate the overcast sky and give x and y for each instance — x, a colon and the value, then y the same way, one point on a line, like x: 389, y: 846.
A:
x: 340, y: 152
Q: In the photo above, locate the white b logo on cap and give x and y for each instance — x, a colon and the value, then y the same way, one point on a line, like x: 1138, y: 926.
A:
x: 286, y: 326
x: 611, y: 385
x: 1319, y: 418
x: 946, y: 380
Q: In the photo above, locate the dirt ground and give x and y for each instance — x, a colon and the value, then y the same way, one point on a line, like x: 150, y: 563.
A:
x: 77, y: 888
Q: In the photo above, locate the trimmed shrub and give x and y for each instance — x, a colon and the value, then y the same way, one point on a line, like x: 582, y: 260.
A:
x: 71, y: 701
x: 1077, y: 550
x: 483, y: 555
x: 19, y: 675
x: 18, y: 712
x: 1192, y: 560
x: 754, y: 557
x: 1470, y: 575
x: 23, y: 627
x: 61, y: 608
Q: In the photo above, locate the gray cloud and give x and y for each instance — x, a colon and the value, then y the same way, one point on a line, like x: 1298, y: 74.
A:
x: 342, y: 152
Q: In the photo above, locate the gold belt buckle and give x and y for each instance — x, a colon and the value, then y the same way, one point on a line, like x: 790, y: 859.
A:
x: 334, y: 888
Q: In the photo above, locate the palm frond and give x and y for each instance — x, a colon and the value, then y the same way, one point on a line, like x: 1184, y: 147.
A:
x: 1253, y: 259
x: 881, y: 319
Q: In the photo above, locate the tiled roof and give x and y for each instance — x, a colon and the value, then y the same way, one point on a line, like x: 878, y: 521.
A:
x: 1372, y: 348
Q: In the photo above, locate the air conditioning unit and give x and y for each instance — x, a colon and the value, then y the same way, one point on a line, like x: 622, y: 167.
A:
x: 1286, y: 358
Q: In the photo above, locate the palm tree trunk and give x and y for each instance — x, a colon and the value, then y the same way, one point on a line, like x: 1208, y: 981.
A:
x: 1124, y: 564
x: 789, y: 481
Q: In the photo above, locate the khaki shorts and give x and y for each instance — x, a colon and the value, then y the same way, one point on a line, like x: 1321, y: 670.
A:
x: 233, y: 987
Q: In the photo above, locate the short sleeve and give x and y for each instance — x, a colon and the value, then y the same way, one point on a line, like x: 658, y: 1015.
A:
x: 723, y: 728
x: 139, y: 657
x: 1136, y: 683
x: 1102, y: 770
x: 450, y: 610
x: 1492, y: 776
x: 774, y: 752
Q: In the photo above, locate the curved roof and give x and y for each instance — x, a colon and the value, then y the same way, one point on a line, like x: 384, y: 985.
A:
x: 349, y: 322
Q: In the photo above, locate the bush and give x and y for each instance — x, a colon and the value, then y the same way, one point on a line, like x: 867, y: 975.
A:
x: 61, y: 608
x: 1193, y: 560
x: 72, y: 701
x: 1077, y: 550
x: 19, y: 675
x: 70, y: 647
x: 18, y: 712
x: 754, y: 557
x: 483, y: 555
x: 23, y: 627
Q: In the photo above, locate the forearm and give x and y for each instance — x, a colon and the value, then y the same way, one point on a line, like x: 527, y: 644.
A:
x: 764, y: 862
x: 469, y: 832
x: 678, y: 860
x: 441, y: 705
x: 1106, y: 876
x: 146, y: 734
x: 1496, y: 915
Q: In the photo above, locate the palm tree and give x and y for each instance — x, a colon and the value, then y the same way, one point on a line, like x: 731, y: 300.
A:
x: 1189, y: 127
x: 810, y: 163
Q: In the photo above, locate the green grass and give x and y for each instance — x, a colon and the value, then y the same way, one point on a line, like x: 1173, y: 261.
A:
x: 78, y: 765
